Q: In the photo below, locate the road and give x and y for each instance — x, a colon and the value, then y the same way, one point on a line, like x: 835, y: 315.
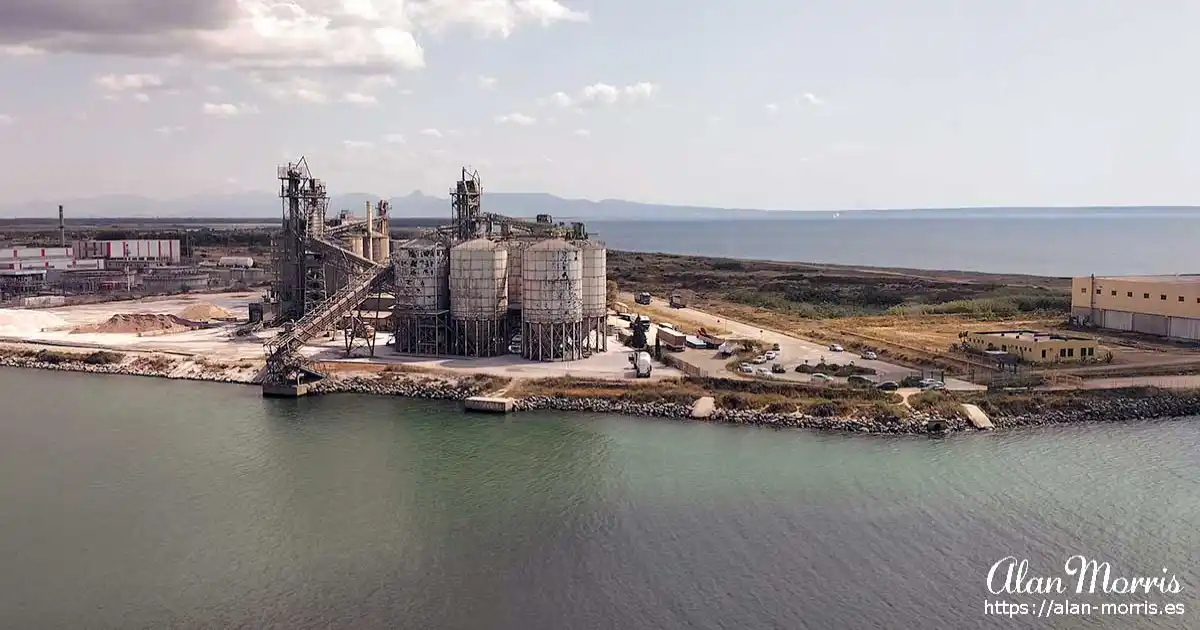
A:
x: 793, y: 351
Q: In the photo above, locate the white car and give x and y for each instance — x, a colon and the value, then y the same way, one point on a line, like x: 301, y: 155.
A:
x: 746, y: 368
x: 930, y: 383
x: 760, y: 359
x: 870, y: 356
x: 817, y: 377
x: 765, y: 373
x: 771, y: 355
x: 836, y: 348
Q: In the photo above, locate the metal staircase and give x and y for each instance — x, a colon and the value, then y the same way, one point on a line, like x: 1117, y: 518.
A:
x: 283, y: 351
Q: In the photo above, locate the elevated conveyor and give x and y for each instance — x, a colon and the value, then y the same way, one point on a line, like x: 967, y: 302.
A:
x: 283, y: 351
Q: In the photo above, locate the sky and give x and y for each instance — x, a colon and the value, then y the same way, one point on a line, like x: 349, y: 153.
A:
x: 771, y: 104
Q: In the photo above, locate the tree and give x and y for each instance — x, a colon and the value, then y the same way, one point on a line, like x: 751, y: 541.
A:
x: 610, y: 297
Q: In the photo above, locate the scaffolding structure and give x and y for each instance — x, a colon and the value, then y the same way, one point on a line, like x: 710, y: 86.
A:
x: 300, y: 272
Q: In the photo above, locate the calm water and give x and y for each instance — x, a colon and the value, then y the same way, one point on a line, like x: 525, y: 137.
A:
x: 1045, y: 243
x: 135, y: 503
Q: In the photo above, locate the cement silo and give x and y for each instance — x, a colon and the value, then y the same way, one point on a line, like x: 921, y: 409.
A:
x: 552, y: 301
x: 479, y: 297
x: 422, y: 288
x: 595, y: 295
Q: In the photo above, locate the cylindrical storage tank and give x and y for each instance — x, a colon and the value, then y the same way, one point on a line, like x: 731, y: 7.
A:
x: 552, y: 301
x: 422, y: 275
x: 595, y: 295
x: 595, y: 279
x: 382, y: 247
x: 478, y: 297
x: 478, y: 280
x: 356, y: 245
x: 516, y: 250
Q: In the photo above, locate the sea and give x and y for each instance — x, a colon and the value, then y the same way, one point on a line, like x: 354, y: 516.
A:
x: 1044, y: 242
x: 129, y: 502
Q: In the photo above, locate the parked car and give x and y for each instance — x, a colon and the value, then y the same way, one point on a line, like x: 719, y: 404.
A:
x: 833, y: 347
x: 859, y: 380
x: 870, y: 356
x: 930, y: 383
x: 775, y: 347
x: 764, y: 372
x: 817, y: 377
x: 778, y: 368
x: 746, y: 368
x: 760, y: 359
x: 771, y: 354
x: 888, y: 386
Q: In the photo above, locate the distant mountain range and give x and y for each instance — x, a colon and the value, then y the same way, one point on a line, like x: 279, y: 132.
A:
x: 265, y: 205
x: 417, y: 205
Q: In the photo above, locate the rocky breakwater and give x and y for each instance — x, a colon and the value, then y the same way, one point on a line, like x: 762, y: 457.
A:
x: 913, y: 423
x: 416, y: 387
x: 1098, y: 407
x: 96, y: 363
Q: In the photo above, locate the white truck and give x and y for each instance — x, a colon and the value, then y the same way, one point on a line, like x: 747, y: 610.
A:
x: 641, y: 364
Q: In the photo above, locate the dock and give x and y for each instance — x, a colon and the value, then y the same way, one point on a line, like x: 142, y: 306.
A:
x: 489, y: 404
x: 978, y: 417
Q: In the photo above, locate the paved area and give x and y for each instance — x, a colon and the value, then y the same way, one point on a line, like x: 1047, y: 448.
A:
x: 793, y: 351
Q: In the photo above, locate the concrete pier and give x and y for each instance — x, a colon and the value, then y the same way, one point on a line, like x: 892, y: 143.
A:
x: 488, y: 404
x: 285, y: 391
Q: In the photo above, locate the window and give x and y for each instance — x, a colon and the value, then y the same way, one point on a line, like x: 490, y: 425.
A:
x: 1043, y: 354
x: 1070, y: 352
x: 1092, y: 352
x: 1097, y: 291
x: 1163, y: 296
x: 1145, y: 296
x: 1181, y: 298
x: 1083, y: 289
x: 1130, y: 294
x: 1114, y: 292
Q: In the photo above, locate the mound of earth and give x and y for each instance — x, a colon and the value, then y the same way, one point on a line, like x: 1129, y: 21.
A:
x: 204, y: 312
x: 137, y: 323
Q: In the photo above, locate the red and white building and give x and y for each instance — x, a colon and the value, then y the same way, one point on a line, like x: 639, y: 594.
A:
x: 44, y: 258
x: 158, y: 251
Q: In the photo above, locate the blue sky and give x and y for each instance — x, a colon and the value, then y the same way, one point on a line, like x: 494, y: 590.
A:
x: 822, y: 104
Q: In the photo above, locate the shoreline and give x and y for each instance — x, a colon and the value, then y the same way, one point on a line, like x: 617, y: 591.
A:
x: 1132, y: 405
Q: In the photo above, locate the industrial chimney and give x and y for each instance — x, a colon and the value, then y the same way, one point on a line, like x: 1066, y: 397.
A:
x: 62, y: 229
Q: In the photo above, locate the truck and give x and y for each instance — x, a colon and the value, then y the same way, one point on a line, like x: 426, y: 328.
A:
x: 671, y: 339
x: 641, y: 364
x: 642, y: 298
x: 678, y: 300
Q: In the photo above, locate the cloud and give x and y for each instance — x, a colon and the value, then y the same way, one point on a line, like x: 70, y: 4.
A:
x: 432, y: 133
x: 168, y: 130
x: 487, y: 83
x: 581, y: 133
x: 129, y: 82
x: 395, y: 138
x: 358, y: 98
x: 516, y: 118
x: 293, y: 89
x: 20, y: 50
x: 228, y: 110
x: 141, y: 97
x: 362, y: 36
x: 605, y: 94
x: 357, y: 144
x: 810, y: 98
x: 6, y: 120
x: 714, y: 119
x: 772, y: 108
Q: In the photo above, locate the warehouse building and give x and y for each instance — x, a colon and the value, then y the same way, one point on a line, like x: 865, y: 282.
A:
x: 44, y: 258
x: 162, y: 251
x: 1033, y: 346
x: 1165, y: 306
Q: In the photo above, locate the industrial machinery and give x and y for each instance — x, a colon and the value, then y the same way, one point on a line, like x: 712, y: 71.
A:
x: 483, y: 285
x: 641, y: 364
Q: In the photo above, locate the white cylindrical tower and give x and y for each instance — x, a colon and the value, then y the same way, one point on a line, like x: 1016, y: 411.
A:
x: 595, y: 295
x: 478, y: 296
x: 552, y: 301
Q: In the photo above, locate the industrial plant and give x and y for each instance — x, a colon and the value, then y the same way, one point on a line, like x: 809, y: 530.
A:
x: 481, y: 285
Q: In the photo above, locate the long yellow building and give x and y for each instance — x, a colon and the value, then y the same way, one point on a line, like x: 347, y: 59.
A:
x: 1166, y: 306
